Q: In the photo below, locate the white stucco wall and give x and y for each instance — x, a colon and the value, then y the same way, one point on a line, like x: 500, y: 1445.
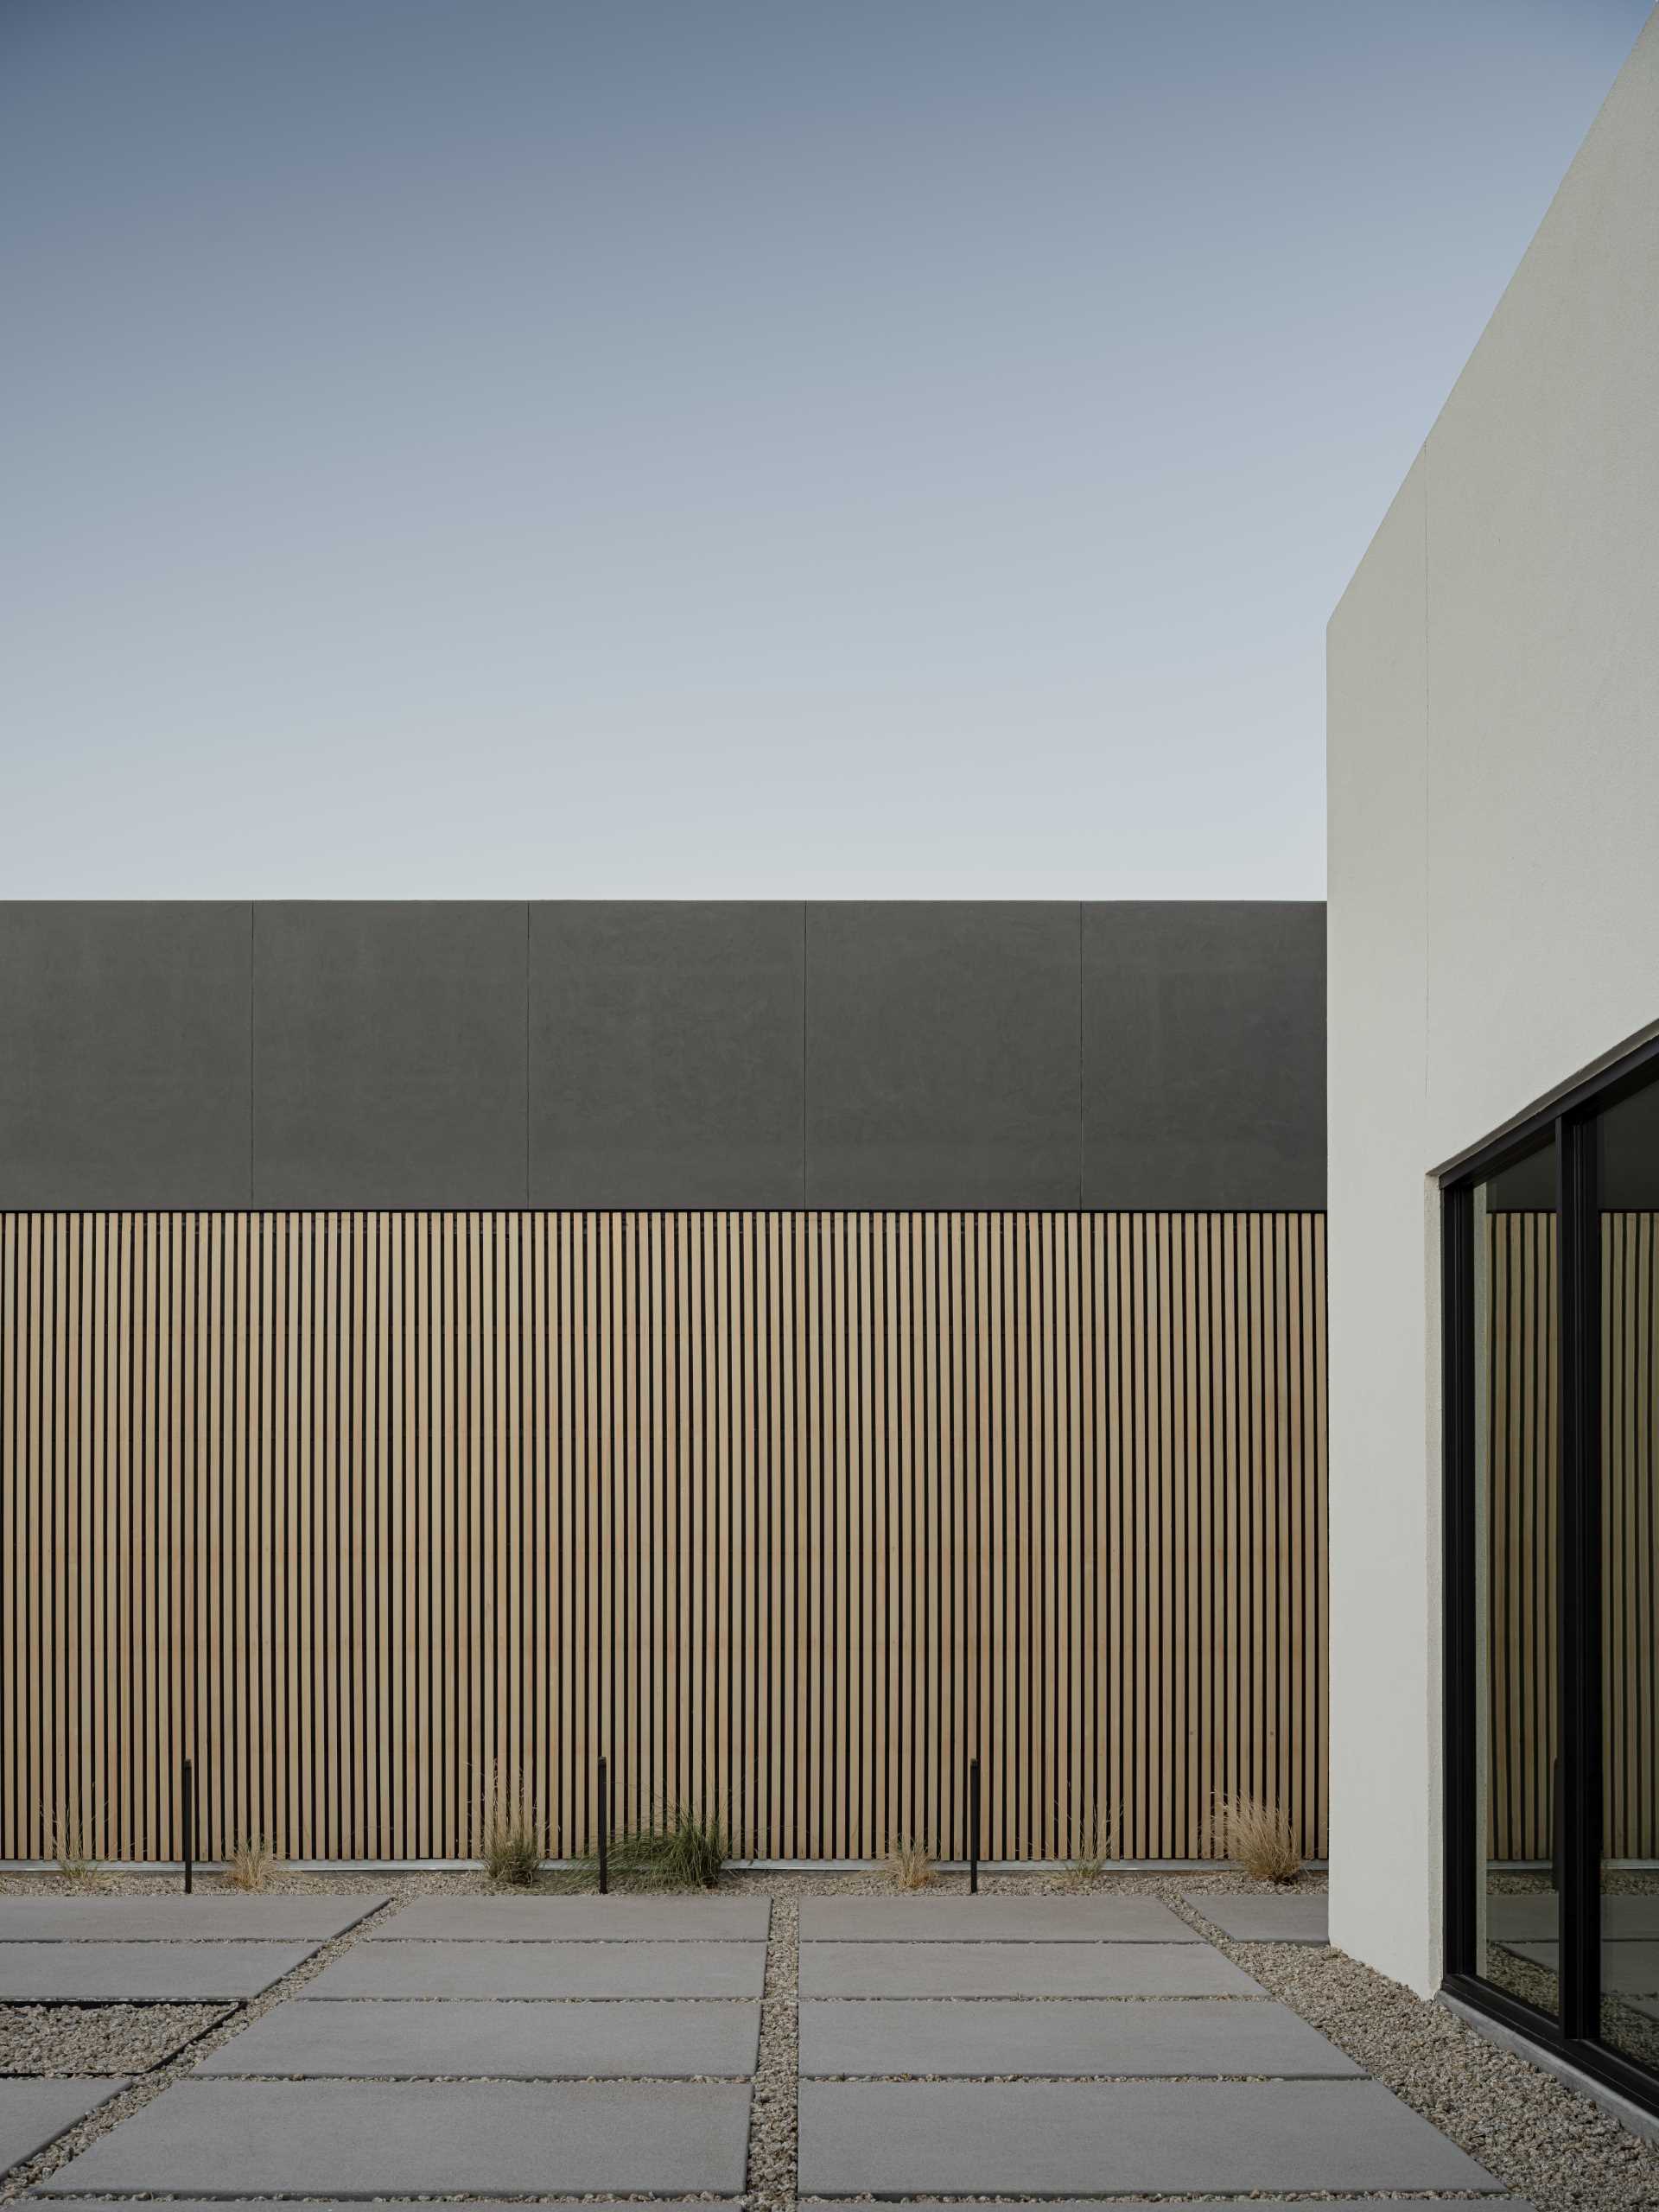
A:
x: 1494, y: 912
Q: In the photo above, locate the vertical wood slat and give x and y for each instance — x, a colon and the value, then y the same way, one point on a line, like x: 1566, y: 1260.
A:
x: 787, y: 1515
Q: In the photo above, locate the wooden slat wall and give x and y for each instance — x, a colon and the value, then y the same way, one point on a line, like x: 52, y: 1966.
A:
x: 1521, y: 1480
x: 785, y: 1513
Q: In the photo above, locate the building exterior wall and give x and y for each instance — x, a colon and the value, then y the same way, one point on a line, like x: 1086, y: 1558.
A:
x: 440, y: 1340
x: 788, y: 1515
x: 1494, y: 934
x: 641, y: 1053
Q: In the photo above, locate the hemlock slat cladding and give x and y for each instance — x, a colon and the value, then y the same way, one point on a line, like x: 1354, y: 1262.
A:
x: 787, y: 1514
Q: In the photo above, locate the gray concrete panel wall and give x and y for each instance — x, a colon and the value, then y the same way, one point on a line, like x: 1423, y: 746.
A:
x: 389, y: 1054
x: 1203, y: 1054
x: 646, y: 1054
x: 666, y: 1054
x: 942, y: 1054
x: 125, y: 1054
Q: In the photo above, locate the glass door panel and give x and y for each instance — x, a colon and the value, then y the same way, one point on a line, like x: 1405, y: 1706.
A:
x: 1516, y: 1827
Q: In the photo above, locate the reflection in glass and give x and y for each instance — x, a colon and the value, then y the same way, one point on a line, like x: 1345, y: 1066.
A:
x: 1516, y: 1927
x: 1628, y: 1181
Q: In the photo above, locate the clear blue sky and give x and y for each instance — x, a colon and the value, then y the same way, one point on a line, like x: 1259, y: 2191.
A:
x: 744, y: 447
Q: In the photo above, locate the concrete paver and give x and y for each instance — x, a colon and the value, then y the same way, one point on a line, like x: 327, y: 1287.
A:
x: 1166, y: 2138
x: 530, y: 2042
x: 1186, y: 2036
x: 992, y: 1920
x: 156, y: 1973
x: 577, y: 1919
x: 392, y: 2138
x: 1302, y: 1917
x: 181, y: 1919
x: 34, y: 2112
x: 528, y: 1970
x: 1021, y: 1970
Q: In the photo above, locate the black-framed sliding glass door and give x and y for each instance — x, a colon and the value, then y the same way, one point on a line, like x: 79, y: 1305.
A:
x: 1551, y: 1413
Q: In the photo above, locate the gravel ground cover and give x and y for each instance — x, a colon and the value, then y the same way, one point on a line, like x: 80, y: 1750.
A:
x: 1544, y: 2141
x: 72, y: 2039
x: 771, y: 2111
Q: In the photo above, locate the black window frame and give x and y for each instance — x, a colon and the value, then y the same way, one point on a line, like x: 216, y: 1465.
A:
x: 1572, y: 2034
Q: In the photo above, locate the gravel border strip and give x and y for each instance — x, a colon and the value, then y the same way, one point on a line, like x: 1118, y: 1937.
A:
x: 773, y: 2109
x: 47, y: 2041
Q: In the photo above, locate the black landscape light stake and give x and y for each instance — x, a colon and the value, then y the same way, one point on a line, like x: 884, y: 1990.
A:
x: 190, y: 1826
x: 973, y: 1827
x: 604, y: 1826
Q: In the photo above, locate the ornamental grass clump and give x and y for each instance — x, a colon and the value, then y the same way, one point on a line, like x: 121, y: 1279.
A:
x: 71, y: 1848
x: 250, y: 1865
x: 1091, y: 1847
x: 908, y: 1865
x: 1259, y: 1839
x: 512, y: 1850
x: 680, y: 1850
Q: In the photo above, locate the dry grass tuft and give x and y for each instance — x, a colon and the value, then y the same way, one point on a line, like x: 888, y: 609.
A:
x: 1258, y: 1838
x: 908, y: 1866
x: 250, y: 1865
x: 1091, y: 1841
x: 512, y: 1838
x: 71, y: 1840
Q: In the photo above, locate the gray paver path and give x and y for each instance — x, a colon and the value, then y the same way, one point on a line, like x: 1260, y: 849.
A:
x: 992, y: 1920
x: 578, y: 1920
x: 1021, y: 1970
x: 1187, y: 2036
x: 408, y: 2139
x: 181, y: 1919
x: 156, y: 1973
x: 34, y: 2112
x: 1303, y: 1917
x: 530, y: 2042
x: 1164, y: 2138
x: 527, y: 1970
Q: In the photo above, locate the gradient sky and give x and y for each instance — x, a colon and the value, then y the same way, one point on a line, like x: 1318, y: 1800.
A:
x: 723, y: 448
